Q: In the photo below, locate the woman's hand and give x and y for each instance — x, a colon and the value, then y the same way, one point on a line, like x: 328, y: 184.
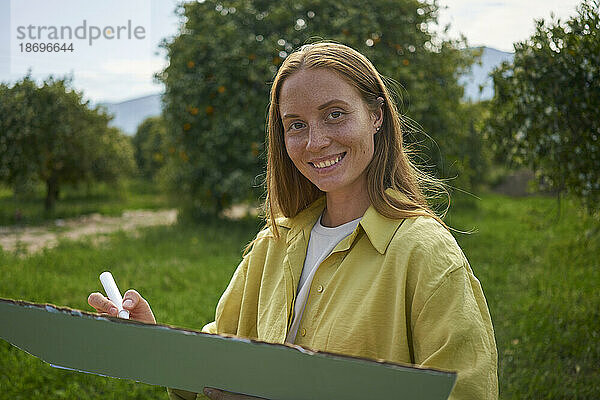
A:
x: 218, y: 394
x: 138, y: 307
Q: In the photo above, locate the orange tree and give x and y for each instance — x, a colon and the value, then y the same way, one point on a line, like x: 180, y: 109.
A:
x: 227, y: 52
x: 546, y: 109
x: 148, y: 145
x: 49, y: 134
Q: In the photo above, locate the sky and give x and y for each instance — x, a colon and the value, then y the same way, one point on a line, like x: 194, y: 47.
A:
x: 500, y: 23
x: 123, y: 68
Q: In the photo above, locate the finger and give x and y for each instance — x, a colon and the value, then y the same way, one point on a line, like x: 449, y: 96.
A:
x: 102, y: 304
x: 131, y: 299
x: 218, y: 394
x: 213, y: 394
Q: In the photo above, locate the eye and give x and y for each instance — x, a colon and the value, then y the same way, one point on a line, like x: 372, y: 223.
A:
x: 335, y: 114
x: 294, y: 126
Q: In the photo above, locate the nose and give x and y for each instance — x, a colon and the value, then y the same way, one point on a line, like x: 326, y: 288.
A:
x: 317, y: 139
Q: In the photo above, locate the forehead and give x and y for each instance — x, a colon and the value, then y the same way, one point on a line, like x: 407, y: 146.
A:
x: 308, y: 89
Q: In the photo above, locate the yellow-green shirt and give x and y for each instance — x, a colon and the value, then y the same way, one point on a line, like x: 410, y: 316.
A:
x: 395, y: 290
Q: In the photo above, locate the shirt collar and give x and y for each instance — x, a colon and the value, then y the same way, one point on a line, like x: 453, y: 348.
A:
x: 305, y: 219
x: 378, y: 228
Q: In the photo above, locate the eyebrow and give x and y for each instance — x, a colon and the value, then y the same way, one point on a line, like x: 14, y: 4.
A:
x: 322, y: 106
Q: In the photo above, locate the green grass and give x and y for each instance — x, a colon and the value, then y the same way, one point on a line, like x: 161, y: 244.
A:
x: 182, y: 271
x: 539, y: 274
x: 102, y: 198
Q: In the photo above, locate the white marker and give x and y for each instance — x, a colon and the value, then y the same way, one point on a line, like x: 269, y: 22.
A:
x: 112, y: 291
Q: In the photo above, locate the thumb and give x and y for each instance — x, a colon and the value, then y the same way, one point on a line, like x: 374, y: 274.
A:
x: 131, y: 300
x: 138, y: 307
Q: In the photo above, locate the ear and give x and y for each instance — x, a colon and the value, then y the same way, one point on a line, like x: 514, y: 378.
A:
x: 377, y: 115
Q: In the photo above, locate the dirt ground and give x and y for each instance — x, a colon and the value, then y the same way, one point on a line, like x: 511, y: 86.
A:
x: 29, y: 240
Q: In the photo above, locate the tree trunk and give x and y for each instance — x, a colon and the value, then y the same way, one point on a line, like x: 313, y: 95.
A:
x: 51, y: 193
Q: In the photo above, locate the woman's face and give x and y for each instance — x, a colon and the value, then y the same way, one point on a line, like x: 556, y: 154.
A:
x: 328, y: 130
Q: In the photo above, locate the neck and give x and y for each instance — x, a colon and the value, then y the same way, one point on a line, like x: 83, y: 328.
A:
x: 346, y: 207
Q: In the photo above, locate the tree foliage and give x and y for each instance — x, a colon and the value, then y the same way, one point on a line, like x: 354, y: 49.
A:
x: 546, y: 109
x: 149, y: 146
x: 49, y: 134
x: 227, y: 53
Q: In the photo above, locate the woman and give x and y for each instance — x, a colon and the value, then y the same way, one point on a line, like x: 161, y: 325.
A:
x: 352, y: 259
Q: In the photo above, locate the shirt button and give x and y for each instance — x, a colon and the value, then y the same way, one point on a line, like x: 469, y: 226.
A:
x: 320, y: 288
x: 303, y: 332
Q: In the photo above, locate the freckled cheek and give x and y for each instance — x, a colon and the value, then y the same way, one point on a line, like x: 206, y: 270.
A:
x: 361, y: 145
x: 294, y: 148
x: 370, y: 148
x: 365, y: 148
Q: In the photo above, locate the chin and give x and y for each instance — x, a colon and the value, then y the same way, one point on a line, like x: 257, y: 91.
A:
x: 327, y: 187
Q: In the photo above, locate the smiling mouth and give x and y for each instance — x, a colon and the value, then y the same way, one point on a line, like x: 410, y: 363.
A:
x: 328, y: 163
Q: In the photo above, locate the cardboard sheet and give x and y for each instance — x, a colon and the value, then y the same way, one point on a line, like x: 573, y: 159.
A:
x: 190, y: 360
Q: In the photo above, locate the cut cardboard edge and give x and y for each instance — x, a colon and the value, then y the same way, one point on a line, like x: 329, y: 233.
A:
x: 45, y: 331
x: 80, y: 313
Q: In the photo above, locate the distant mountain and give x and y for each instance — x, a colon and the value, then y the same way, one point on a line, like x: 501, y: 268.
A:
x: 129, y: 114
x: 478, y: 84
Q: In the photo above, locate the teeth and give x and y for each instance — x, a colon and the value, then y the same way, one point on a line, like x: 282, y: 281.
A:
x: 328, y: 163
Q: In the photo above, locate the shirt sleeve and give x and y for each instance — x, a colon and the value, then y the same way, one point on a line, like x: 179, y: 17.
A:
x: 453, y: 331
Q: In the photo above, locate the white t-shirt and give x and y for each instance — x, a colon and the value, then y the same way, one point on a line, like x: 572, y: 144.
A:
x: 320, y: 244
